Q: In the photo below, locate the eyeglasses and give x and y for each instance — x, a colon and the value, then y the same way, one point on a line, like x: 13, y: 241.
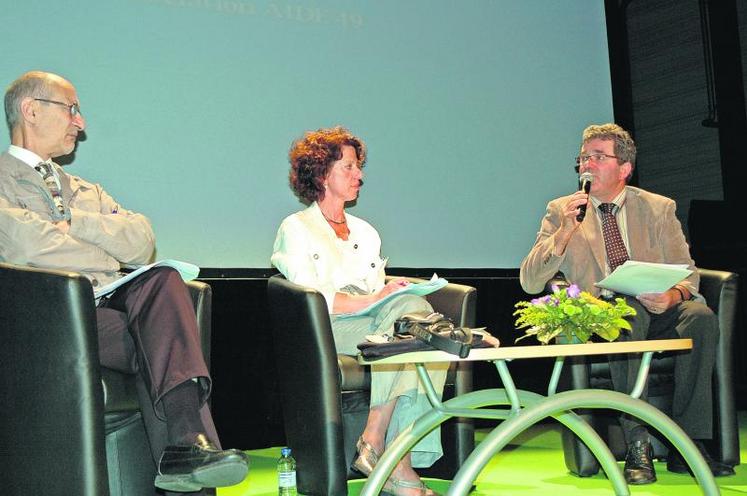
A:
x: 73, y: 108
x: 596, y: 157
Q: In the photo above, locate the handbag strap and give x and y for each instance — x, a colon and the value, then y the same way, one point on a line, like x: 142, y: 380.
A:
x: 456, y: 342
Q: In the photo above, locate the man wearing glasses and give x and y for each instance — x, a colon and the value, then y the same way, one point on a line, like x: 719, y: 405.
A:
x: 624, y: 222
x: 51, y: 219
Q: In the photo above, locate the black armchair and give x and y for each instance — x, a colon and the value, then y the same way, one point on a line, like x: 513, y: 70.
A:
x: 325, y: 396
x: 67, y: 419
x: 720, y: 291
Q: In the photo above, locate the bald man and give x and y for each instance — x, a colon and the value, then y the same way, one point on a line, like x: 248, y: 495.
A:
x: 51, y: 219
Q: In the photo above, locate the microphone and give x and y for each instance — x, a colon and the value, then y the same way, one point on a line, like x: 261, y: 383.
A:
x: 585, y: 180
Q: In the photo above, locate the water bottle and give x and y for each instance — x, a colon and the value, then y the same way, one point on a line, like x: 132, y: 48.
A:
x: 286, y: 473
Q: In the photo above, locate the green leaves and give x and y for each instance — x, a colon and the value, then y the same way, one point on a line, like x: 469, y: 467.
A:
x: 572, y: 313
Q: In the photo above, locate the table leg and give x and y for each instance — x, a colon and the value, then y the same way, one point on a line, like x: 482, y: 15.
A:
x: 557, y: 405
x: 471, y: 405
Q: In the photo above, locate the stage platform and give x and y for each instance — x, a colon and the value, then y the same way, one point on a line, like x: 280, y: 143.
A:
x: 531, y: 465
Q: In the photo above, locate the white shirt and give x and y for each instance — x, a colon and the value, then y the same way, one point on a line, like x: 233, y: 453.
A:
x: 32, y: 160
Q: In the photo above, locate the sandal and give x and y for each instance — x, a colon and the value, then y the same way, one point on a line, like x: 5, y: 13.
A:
x: 367, y: 457
x: 393, y: 486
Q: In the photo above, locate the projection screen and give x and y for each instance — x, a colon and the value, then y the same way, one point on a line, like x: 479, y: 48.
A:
x: 471, y: 111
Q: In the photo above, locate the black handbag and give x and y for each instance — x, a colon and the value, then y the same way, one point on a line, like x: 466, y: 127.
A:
x: 437, y: 331
x: 424, y: 332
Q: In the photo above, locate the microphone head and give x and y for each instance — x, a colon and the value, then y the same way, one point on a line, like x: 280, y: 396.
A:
x: 585, y: 180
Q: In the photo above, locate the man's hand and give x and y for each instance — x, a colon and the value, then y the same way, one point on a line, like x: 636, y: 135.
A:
x: 569, y: 224
x: 659, y: 302
x: 63, y: 226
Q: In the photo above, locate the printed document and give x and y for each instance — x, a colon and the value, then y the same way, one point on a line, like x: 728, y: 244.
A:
x: 420, y: 289
x: 634, y: 278
x: 187, y: 270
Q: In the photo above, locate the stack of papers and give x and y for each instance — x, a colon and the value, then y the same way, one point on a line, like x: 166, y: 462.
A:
x: 634, y: 278
x: 420, y: 289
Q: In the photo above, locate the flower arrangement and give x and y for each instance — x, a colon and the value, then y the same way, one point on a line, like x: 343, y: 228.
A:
x: 571, y: 312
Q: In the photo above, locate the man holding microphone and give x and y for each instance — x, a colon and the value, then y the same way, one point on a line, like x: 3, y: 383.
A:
x: 623, y: 222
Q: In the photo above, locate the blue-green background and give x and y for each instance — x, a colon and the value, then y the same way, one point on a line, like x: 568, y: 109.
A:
x: 471, y: 110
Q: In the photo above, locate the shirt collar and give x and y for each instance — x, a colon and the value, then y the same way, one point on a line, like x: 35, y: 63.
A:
x: 619, y: 200
x: 26, y: 156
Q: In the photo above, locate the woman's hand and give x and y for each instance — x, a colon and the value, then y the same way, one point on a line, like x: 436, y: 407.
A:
x: 392, y: 286
x: 345, y: 303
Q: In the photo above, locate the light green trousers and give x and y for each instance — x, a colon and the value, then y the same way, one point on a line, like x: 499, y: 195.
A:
x: 396, y: 382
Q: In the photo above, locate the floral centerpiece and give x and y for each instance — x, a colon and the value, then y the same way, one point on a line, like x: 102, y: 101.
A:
x: 570, y: 312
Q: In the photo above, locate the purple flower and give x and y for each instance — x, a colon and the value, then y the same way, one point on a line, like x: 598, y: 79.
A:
x: 555, y: 288
x: 573, y: 291
x: 541, y: 301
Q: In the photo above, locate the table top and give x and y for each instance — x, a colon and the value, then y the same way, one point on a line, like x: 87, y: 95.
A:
x: 537, y: 351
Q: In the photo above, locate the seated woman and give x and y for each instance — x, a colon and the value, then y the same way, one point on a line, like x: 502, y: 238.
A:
x: 339, y: 255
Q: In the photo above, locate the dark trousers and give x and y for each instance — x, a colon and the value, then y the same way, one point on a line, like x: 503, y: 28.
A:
x: 148, y: 327
x: 692, y: 403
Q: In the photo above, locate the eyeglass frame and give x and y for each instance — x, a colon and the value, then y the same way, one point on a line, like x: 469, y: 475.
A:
x: 72, y: 108
x: 585, y: 159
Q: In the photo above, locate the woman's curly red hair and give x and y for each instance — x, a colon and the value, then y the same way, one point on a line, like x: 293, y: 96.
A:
x: 312, y: 155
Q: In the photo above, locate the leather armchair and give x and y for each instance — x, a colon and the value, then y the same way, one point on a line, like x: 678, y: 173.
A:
x: 325, y: 396
x: 720, y: 291
x: 69, y: 424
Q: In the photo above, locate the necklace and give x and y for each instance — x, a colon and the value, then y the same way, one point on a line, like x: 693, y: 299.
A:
x: 344, y: 221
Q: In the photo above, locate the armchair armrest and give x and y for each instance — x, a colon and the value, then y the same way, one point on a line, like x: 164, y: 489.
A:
x: 49, y: 371
x: 455, y: 301
x: 308, y: 377
x: 301, y: 322
x: 720, y: 289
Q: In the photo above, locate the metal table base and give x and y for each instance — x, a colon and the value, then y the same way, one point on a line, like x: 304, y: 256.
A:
x: 526, y: 409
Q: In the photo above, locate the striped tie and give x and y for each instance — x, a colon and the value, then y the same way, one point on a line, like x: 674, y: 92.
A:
x: 613, y: 242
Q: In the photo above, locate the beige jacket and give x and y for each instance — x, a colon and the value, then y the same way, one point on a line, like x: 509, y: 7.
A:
x: 654, y: 235
x: 102, y: 234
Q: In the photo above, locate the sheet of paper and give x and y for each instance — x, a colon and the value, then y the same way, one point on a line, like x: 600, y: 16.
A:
x: 187, y: 270
x: 420, y: 289
x: 633, y: 278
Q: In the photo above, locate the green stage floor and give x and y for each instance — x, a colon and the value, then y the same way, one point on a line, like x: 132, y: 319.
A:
x: 531, y: 465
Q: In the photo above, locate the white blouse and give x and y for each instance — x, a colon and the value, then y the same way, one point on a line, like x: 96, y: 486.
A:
x: 308, y: 252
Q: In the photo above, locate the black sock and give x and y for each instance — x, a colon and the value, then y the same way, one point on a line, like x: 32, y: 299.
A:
x: 181, y: 406
x: 639, y: 433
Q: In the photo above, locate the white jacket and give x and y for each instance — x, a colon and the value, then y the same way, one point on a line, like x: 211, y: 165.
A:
x: 308, y: 252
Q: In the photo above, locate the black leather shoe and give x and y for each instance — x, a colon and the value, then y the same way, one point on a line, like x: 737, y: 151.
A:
x: 200, y: 465
x: 677, y: 464
x: 639, y: 464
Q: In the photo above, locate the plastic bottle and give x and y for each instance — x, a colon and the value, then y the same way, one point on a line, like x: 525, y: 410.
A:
x: 286, y: 473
